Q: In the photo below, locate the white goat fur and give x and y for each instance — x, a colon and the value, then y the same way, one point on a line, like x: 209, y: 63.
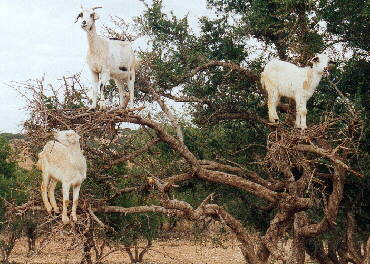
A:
x: 62, y: 161
x: 107, y: 59
x: 281, y: 78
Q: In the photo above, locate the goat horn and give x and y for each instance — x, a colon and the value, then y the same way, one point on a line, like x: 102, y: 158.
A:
x: 79, y: 15
x: 97, y: 7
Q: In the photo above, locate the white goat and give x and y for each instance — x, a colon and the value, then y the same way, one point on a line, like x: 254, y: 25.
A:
x: 62, y: 160
x: 107, y: 59
x: 281, y: 78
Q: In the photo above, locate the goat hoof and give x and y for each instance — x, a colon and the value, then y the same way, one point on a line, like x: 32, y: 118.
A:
x: 74, y: 218
x: 302, y: 128
x: 102, y: 105
x: 117, y: 108
x: 65, y: 220
x: 49, y: 210
x: 274, y: 123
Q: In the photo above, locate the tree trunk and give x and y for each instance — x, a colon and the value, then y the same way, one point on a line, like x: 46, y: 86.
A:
x: 87, y: 246
x: 298, y: 250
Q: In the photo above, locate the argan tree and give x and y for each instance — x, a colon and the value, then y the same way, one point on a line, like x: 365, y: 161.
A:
x: 309, y: 186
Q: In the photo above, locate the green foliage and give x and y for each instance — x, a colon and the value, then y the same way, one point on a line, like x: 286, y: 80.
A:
x: 11, y: 136
x: 129, y: 229
x: 50, y: 102
x: 7, y: 165
x: 350, y: 20
x: 166, y: 30
x: 11, y: 232
x: 219, y: 41
x: 11, y: 177
x: 283, y: 23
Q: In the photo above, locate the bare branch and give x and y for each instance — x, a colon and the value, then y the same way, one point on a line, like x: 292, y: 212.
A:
x: 327, y: 154
x: 348, y: 103
x: 96, y: 218
x: 212, y: 165
x: 139, y: 209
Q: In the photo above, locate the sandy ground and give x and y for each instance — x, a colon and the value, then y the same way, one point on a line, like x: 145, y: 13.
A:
x: 173, y: 251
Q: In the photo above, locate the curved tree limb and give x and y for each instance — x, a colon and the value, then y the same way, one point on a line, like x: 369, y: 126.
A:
x: 332, y: 207
x: 185, y: 210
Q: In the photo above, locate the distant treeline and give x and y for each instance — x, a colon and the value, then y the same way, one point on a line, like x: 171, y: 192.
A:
x: 10, y: 136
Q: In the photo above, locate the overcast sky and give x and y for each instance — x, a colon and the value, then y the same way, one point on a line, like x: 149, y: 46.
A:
x: 39, y: 37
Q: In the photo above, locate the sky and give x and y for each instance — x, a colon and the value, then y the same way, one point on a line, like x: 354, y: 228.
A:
x: 39, y: 37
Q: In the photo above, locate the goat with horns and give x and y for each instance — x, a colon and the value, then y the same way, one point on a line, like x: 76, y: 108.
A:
x: 107, y: 59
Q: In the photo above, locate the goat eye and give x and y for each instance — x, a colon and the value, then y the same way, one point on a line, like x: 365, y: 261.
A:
x: 92, y: 15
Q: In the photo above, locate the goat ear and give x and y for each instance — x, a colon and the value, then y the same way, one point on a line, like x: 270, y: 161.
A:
x: 78, y: 17
x: 55, y: 132
x: 74, y: 138
x: 75, y: 135
x: 315, y: 59
x: 96, y: 16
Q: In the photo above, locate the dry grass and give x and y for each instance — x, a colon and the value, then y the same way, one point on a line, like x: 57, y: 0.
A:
x: 173, y: 251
